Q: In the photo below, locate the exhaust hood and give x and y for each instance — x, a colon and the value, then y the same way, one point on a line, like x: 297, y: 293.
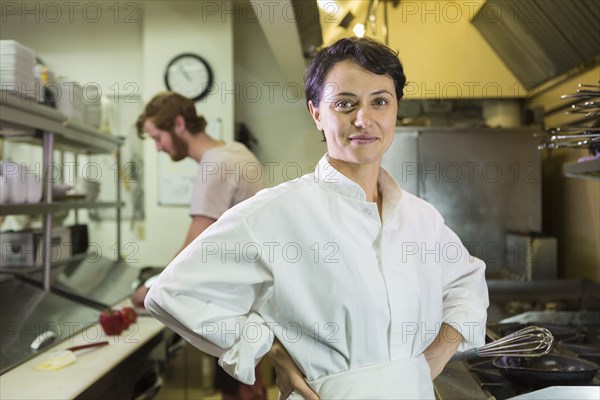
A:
x: 541, y: 39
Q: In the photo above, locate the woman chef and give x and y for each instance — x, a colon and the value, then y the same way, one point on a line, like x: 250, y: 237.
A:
x: 360, y: 282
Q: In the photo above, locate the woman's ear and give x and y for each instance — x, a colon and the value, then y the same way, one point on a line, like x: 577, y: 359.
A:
x: 316, y: 115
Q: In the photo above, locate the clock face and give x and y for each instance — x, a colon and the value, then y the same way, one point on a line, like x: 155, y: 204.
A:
x: 189, y: 75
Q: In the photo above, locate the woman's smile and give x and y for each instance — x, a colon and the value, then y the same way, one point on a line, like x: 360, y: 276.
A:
x: 362, y: 139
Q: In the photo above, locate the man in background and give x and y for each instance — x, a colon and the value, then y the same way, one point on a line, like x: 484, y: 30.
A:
x: 170, y: 119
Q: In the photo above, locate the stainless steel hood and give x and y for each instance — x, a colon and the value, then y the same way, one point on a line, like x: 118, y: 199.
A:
x: 541, y: 39
x: 306, y: 14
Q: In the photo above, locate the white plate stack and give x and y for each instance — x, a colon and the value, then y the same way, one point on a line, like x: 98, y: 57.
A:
x: 70, y: 100
x: 16, y: 69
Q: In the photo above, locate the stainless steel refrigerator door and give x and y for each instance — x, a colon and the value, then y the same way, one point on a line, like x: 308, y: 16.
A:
x: 484, y: 182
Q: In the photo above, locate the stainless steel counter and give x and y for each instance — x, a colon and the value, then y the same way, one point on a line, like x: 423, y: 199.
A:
x: 27, y: 311
x: 562, y: 393
x: 79, y: 290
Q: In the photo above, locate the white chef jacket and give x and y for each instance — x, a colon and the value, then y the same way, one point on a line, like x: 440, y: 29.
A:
x: 311, y: 263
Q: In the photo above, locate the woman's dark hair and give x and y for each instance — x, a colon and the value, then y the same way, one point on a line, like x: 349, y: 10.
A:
x: 368, y: 53
x: 164, y: 107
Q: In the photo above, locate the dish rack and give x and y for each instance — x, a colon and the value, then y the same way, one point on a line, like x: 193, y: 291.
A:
x: 582, y: 133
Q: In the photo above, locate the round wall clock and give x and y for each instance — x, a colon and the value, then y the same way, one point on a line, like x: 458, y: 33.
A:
x: 189, y: 75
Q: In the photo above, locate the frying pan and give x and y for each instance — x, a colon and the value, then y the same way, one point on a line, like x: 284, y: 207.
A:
x: 548, y: 370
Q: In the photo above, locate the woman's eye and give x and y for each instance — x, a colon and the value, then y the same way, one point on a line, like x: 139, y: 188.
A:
x: 344, y: 104
x: 380, y: 102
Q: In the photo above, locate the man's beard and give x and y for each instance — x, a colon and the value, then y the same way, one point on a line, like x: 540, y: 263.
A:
x: 180, y: 150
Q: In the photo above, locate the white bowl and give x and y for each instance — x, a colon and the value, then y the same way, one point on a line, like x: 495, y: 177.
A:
x: 60, y: 189
x: 14, y: 186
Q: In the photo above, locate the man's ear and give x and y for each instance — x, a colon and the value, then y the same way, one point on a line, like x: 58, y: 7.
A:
x: 179, y: 125
x: 314, y: 112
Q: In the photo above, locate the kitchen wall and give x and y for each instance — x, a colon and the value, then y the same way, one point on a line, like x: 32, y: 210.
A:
x: 273, y: 106
x: 171, y: 28
x: 571, y: 206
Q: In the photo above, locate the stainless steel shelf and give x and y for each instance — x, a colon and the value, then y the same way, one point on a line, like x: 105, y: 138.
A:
x: 24, y: 120
x: 41, y: 208
x: 583, y: 170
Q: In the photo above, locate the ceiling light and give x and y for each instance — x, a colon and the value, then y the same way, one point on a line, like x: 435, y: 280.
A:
x: 359, y: 30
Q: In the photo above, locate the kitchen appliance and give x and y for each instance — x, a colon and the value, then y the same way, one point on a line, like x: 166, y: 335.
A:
x: 577, y: 320
x: 540, y: 40
x: 506, y: 377
x: 484, y: 182
x: 530, y: 256
x: 24, y: 249
x: 79, y: 239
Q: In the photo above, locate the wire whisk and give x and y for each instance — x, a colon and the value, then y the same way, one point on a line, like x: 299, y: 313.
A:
x: 532, y: 341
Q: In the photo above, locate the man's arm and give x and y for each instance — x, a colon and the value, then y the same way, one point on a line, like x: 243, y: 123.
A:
x: 197, y: 226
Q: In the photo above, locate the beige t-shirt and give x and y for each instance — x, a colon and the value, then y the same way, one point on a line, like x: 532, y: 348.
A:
x: 227, y: 175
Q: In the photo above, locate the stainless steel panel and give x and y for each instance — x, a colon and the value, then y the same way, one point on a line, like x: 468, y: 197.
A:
x: 402, y: 161
x: 101, y: 282
x: 484, y: 182
x: 27, y: 311
x: 531, y: 256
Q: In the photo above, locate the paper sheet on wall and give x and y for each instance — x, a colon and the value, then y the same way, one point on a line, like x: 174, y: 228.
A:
x: 176, y: 179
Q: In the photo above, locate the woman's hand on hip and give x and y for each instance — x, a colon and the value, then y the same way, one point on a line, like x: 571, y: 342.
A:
x: 442, y: 349
x: 289, y: 378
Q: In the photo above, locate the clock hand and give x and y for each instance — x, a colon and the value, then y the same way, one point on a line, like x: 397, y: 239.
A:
x: 184, y: 72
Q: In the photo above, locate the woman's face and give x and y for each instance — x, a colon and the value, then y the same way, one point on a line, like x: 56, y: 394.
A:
x: 357, y: 114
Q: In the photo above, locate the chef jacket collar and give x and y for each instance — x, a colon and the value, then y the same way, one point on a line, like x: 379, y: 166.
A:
x: 328, y: 175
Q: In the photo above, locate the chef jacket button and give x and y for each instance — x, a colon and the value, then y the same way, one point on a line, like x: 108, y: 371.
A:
x: 367, y: 211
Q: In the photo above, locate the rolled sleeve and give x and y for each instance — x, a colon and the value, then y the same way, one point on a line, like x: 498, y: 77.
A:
x: 465, y: 294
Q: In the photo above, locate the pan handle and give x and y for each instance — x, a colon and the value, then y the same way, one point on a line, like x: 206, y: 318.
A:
x: 464, y: 355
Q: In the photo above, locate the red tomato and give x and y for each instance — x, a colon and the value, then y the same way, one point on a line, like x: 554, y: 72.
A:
x: 129, y: 314
x: 111, y: 322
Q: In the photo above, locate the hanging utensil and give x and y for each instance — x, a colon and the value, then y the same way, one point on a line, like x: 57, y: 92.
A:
x: 580, y: 95
x: 532, y: 341
x: 589, y: 143
x: 573, y: 128
x: 578, y: 135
